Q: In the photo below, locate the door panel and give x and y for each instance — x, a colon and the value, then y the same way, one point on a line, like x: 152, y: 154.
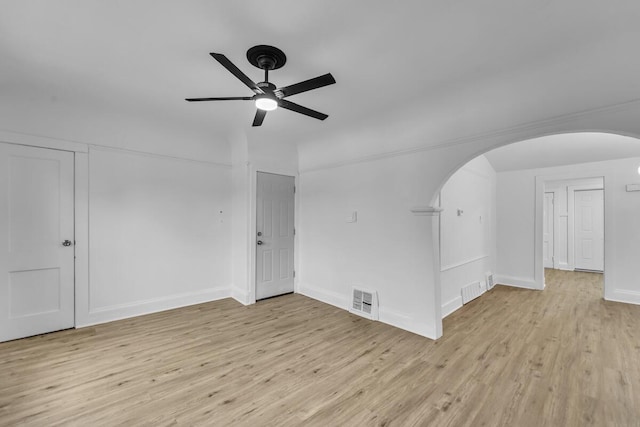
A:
x: 274, y: 256
x: 36, y: 216
x: 589, y: 230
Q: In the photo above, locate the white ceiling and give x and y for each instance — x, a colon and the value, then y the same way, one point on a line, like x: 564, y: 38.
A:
x: 108, y: 62
x: 561, y: 150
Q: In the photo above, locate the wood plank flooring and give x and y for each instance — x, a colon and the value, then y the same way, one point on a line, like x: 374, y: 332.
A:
x: 514, y: 357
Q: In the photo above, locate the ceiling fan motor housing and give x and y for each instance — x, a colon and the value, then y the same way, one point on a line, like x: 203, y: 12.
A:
x: 266, y: 86
x: 266, y: 57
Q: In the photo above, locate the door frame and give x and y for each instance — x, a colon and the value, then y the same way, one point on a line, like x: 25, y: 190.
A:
x: 553, y: 227
x: 81, y: 211
x: 253, y: 227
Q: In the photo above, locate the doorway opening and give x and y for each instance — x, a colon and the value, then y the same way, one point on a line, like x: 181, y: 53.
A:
x: 537, y: 204
x: 274, y: 235
x: 573, y: 225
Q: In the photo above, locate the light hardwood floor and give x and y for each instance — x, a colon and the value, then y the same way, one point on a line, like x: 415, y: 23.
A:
x: 561, y: 357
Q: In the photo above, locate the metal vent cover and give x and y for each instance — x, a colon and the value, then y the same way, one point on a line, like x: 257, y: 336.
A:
x: 364, y: 303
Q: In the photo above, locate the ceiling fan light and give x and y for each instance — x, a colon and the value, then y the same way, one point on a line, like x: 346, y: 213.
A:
x: 266, y: 103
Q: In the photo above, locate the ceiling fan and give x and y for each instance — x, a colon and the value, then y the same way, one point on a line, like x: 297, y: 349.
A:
x: 266, y: 96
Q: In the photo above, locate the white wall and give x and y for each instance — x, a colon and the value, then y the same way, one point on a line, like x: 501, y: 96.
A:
x: 519, y: 207
x: 467, y: 241
x: 395, y: 252
x: 159, y: 233
x: 394, y: 247
x: 563, y: 216
x: 389, y: 249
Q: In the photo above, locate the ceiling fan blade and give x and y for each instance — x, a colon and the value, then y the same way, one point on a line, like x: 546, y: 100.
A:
x: 257, y: 120
x: 306, y: 85
x: 288, y: 105
x: 226, y: 98
x: 224, y: 61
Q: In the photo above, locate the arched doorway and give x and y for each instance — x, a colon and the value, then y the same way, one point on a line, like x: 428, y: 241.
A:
x: 515, y: 229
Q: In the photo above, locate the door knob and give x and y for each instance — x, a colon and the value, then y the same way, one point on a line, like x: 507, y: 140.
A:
x: 66, y: 243
x: 259, y: 242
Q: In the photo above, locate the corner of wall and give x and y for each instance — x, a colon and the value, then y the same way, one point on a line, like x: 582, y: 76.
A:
x: 451, y: 306
x: 408, y: 323
x: 240, y: 295
x: 517, y: 282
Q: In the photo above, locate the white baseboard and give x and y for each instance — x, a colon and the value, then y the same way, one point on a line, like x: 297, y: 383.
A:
x: 451, y: 306
x: 328, y: 297
x: 385, y: 316
x: 140, y: 308
x: 240, y: 295
x: 407, y: 323
x: 621, y: 295
x: 516, y: 282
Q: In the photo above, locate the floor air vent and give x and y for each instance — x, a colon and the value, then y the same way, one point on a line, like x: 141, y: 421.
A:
x: 490, y: 283
x: 472, y: 291
x: 364, y: 303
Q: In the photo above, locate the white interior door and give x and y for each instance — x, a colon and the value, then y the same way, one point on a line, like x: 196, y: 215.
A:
x: 548, y: 231
x: 589, y: 230
x: 274, y: 242
x: 36, y: 217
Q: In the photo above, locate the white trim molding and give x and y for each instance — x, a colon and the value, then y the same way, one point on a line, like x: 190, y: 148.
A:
x: 516, y: 282
x: 139, y: 308
x: 407, y: 323
x: 426, y: 210
x: 332, y: 298
x: 624, y: 296
x: 42, y: 141
x: 451, y: 306
x: 240, y: 295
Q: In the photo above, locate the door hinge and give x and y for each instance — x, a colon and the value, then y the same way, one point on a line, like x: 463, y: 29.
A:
x: 294, y: 273
x: 294, y: 231
x: 294, y: 189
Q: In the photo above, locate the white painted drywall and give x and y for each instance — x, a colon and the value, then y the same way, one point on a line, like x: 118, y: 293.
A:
x: 388, y: 249
x: 518, y: 204
x: 160, y: 233
x: 467, y: 239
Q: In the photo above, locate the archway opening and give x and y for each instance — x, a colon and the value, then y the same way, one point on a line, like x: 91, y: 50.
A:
x: 492, y: 227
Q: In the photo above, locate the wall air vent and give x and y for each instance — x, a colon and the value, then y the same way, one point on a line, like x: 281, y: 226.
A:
x: 489, y: 278
x: 472, y: 291
x: 364, y: 303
